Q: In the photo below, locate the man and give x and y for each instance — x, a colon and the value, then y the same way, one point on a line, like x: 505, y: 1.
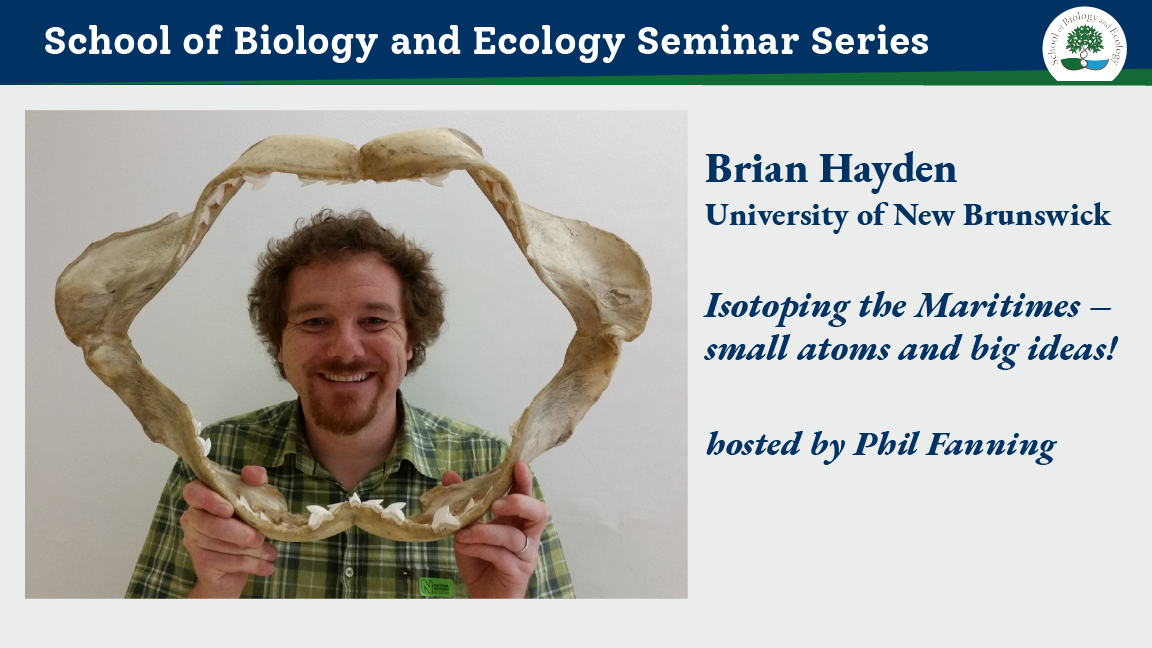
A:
x: 347, y: 310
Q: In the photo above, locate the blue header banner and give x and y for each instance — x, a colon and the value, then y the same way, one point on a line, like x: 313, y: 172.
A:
x: 295, y: 41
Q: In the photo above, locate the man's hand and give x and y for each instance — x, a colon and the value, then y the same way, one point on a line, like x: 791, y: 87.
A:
x: 489, y: 553
x: 224, y: 549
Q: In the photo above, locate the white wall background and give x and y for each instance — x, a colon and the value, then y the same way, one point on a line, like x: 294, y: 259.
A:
x: 617, y: 489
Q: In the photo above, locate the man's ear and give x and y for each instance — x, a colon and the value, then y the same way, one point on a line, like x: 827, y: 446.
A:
x: 409, y: 353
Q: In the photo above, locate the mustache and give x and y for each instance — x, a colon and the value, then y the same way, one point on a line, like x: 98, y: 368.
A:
x: 339, y: 366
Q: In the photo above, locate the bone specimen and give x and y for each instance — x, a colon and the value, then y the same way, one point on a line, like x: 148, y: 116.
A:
x: 598, y: 277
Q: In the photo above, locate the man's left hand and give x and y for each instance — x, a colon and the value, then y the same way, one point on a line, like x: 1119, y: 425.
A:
x: 497, y: 558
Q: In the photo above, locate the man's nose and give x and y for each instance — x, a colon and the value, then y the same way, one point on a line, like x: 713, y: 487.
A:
x: 345, y: 343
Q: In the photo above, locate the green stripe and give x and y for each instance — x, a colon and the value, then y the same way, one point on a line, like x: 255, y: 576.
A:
x: 1000, y: 78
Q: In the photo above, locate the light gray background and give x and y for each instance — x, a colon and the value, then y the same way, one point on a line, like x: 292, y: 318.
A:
x: 929, y: 550
x: 617, y: 489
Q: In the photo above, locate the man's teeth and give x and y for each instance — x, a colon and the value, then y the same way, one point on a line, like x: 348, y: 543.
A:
x: 352, y: 378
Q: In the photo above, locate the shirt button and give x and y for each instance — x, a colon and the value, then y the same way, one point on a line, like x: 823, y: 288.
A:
x: 348, y: 572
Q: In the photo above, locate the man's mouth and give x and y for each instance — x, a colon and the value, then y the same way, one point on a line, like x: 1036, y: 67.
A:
x: 359, y: 377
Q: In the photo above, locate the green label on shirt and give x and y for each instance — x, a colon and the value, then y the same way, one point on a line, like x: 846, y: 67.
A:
x: 437, y: 587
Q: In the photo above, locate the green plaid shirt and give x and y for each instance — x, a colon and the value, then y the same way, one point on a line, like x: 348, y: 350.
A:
x: 352, y: 564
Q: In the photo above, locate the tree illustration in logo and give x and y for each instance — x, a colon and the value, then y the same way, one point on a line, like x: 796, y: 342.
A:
x: 1084, y: 39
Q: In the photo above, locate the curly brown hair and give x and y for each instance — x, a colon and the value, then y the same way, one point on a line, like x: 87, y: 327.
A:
x: 329, y: 236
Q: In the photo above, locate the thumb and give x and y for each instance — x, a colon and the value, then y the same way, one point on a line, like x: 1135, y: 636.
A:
x: 254, y: 475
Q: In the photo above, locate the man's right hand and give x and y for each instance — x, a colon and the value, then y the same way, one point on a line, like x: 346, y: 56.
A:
x: 224, y: 549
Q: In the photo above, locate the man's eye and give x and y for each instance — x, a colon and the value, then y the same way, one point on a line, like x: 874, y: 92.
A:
x: 375, y: 321
x: 314, y: 322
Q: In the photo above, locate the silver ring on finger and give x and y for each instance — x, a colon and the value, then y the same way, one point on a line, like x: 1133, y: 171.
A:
x: 527, y: 542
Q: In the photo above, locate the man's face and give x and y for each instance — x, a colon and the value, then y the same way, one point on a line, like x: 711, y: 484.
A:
x: 345, y: 349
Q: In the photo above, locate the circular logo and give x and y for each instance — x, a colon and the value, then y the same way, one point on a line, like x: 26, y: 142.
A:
x: 1084, y: 44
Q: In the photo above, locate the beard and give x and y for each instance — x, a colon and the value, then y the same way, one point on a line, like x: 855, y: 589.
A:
x: 343, y: 414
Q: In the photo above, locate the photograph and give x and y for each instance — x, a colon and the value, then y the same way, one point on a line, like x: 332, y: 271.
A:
x: 292, y: 322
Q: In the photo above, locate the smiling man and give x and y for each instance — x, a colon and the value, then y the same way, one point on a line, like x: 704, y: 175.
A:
x: 347, y: 309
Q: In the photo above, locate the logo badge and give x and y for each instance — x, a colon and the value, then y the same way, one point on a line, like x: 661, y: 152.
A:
x: 1084, y: 44
x: 437, y: 587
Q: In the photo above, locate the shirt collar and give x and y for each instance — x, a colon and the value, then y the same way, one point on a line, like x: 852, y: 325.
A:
x: 415, y: 442
x: 291, y: 441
